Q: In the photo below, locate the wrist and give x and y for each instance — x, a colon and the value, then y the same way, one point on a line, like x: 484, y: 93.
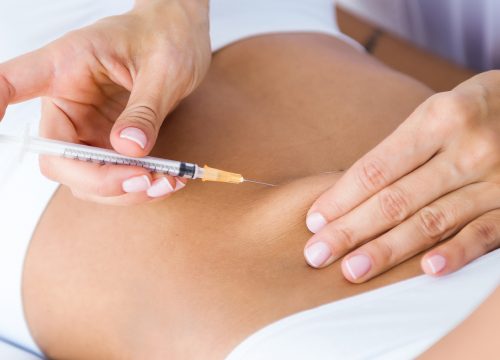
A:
x: 197, y: 9
x: 200, y: 4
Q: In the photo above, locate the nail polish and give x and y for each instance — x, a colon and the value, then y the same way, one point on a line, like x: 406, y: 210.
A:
x: 135, y: 135
x: 315, y: 222
x: 317, y: 254
x: 160, y: 187
x: 179, y: 184
x: 435, y: 263
x: 136, y: 184
x: 358, y: 265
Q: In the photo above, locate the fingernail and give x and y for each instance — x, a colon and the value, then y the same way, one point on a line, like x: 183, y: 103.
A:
x: 160, y: 187
x: 136, y: 135
x: 179, y: 184
x: 436, y: 263
x: 136, y: 184
x: 317, y: 254
x: 358, y: 265
x: 315, y: 222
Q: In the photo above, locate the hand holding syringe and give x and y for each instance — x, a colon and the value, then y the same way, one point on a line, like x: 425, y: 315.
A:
x: 111, y: 84
x: 103, y: 156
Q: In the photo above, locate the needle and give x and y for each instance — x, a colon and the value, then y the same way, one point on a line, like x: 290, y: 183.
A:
x: 258, y: 182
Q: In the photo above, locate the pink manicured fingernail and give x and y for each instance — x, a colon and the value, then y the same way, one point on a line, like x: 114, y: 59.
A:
x: 179, y: 184
x: 315, y: 222
x: 358, y: 265
x: 435, y: 263
x: 136, y: 135
x: 160, y: 187
x: 317, y: 254
x: 136, y: 184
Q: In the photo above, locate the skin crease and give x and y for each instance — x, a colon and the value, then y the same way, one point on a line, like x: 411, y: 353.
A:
x: 194, y: 275
x: 436, y: 177
x: 123, y: 72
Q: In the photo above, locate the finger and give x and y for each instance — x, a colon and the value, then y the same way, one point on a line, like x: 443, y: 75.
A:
x: 120, y: 200
x: 387, y: 208
x: 24, y: 77
x: 135, y: 131
x: 476, y: 239
x: 163, y: 186
x: 424, y: 229
x: 126, y: 199
x: 408, y: 147
x: 96, y: 179
x: 89, y: 178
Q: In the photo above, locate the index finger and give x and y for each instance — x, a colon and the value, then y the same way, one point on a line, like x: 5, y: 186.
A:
x: 24, y: 77
x: 404, y: 150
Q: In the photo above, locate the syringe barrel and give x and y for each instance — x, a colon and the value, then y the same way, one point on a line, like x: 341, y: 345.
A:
x: 164, y: 166
x: 104, y: 156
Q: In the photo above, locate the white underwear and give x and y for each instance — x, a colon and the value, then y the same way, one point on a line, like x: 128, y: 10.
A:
x: 395, y: 322
x: 26, y: 25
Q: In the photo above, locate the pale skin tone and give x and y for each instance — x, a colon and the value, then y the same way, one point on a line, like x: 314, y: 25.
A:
x: 177, y: 279
x: 111, y: 85
x: 435, y: 178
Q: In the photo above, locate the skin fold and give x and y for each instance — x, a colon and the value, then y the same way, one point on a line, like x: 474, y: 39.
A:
x: 195, y: 274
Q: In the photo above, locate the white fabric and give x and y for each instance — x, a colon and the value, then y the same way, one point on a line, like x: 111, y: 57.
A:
x: 397, y: 322
x: 11, y: 352
x: 466, y: 31
x: 28, y: 24
x: 233, y: 20
x: 24, y: 26
x: 24, y: 195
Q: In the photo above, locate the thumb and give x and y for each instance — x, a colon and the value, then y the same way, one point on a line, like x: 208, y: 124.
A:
x: 25, y: 77
x: 136, y: 129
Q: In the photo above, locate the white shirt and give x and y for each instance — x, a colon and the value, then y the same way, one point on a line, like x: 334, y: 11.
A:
x: 465, y: 31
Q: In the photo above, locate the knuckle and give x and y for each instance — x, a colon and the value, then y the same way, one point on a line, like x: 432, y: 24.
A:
x: 386, y: 253
x: 74, y: 43
x: 4, y: 82
x: 372, y: 175
x: 331, y: 206
x: 486, y: 234
x: 345, y: 237
x: 393, y: 204
x: 452, y: 110
x: 460, y: 252
x: 433, y: 223
x: 144, y: 115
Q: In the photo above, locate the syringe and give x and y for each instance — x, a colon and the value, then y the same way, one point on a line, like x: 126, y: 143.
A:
x: 103, y: 156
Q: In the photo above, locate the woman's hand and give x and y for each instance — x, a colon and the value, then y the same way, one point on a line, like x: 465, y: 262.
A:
x: 111, y: 85
x: 437, y: 177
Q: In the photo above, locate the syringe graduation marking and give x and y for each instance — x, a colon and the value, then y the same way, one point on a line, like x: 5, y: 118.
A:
x: 105, y: 156
x: 116, y: 160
